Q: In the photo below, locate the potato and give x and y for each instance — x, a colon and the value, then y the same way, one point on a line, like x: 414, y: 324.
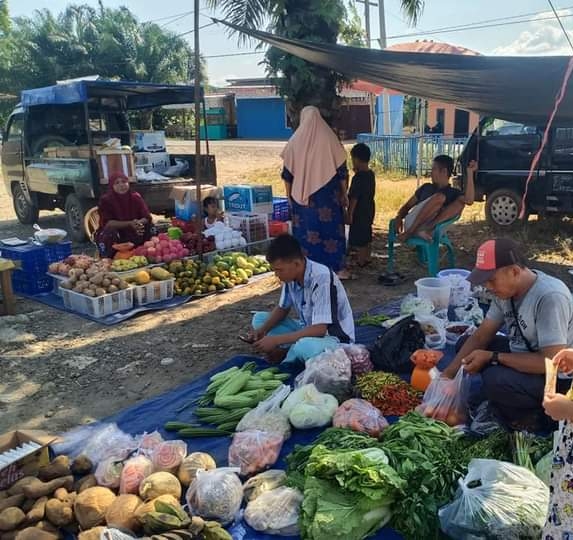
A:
x: 84, y: 483
x: 11, y: 518
x: 82, y: 465
x: 58, y: 513
x: 60, y: 466
x: 92, y: 534
x: 14, y: 500
x: 38, y: 489
x: 37, y: 512
x: 33, y: 533
x: 18, y: 487
x: 3, y: 494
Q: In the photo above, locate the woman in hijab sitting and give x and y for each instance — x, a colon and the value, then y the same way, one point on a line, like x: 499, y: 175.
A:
x: 316, y: 180
x: 124, y: 216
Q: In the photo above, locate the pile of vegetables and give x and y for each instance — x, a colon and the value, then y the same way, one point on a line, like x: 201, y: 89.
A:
x: 388, y: 392
x: 366, y: 319
x: 230, y: 395
x: 81, y: 262
x: 93, y: 283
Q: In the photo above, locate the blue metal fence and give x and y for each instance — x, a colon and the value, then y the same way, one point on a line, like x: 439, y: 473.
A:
x: 412, y: 154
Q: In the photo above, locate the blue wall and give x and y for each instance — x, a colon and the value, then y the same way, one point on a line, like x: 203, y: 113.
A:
x: 396, y: 113
x: 262, y: 118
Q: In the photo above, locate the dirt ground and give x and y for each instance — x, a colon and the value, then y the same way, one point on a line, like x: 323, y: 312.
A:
x: 59, y: 370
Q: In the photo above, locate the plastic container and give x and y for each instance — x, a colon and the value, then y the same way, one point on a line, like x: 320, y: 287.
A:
x: 253, y: 227
x: 100, y: 306
x: 461, y: 287
x: 57, y: 281
x: 276, y: 228
x: 156, y: 291
x: 455, y: 330
x: 25, y: 284
x: 281, y: 209
x: 437, y: 290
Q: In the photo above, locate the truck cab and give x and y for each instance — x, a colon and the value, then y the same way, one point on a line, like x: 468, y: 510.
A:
x: 55, y: 153
x: 504, y: 152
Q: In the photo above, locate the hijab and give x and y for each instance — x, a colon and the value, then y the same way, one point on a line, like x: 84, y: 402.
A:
x: 121, y: 207
x: 312, y: 155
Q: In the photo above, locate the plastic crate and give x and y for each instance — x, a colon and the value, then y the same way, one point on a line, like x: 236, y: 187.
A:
x: 101, y: 306
x: 31, y: 258
x: 156, y: 291
x: 57, y: 252
x: 253, y: 227
x: 22, y: 283
x: 57, y: 280
x: 281, y: 209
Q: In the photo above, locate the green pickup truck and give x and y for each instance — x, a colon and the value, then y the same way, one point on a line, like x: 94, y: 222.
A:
x: 77, y: 118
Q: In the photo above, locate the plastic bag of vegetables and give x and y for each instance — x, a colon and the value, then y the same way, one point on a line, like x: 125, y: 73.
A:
x: 496, y: 500
x: 360, y: 415
x: 359, y: 356
x: 412, y: 305
x: 283, y: 517
x: 261, y: 483
x: 330, y: 372
x: 268, y: 416
x: 216, y: 495
x: 253, y: 451
x: 446, y: 399
x: 308, y: 408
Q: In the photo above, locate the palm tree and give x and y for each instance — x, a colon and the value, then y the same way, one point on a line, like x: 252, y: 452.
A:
x: 300, y: 82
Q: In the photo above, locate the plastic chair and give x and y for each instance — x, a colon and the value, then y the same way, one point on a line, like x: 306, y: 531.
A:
x: 428, y: 252
x: 91, y: 223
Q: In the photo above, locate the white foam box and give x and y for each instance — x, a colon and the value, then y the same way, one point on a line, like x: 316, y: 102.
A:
x: 148, y: 141
x: 245, y: 198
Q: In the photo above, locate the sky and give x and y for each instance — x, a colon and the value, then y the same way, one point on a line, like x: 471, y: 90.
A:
x: 539, y: 35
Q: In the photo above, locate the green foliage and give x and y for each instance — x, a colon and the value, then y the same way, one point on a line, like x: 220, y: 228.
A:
x: 81, y: 41
x: 351, y: 32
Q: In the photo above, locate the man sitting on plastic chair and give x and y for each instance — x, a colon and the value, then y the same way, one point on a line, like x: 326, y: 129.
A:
x: 435, y: 202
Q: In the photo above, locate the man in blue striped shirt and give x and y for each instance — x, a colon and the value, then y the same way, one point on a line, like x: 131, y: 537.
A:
x: 323, y: 314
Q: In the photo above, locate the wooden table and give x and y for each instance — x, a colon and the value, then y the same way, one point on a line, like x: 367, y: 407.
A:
x: 8, y: 305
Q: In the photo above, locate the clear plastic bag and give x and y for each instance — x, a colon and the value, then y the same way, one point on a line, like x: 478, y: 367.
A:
x: 308, y: 408
x: 276, y: 512
x: 471, y: 313
x: 216, y: 495
x: 148, y: 442
x: 254, y: 451
x: 359, y: 356
x: 261, y: 483
x: 330, y: 372
x: 496, y: 500
x: 268, y: 416
x: 108, y: 473
x: 360, y: 415
x: 434, y: 329
x: 135, y: 470
x: 446, y: 399
x: 168, y: 455
x: 97, y: 442
x: 413, y: 305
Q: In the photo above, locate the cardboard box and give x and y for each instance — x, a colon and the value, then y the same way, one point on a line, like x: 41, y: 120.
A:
x: 148, y: 141
x: 242, y: 198
x: 111, y: 161
x: 76, y: 152
x: 29, y: 464
x: 185, y: 197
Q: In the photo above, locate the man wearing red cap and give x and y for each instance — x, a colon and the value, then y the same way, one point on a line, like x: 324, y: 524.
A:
x: 536, y: 311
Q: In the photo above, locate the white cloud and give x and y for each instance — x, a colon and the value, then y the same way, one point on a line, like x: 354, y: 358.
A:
x: 542, y: 37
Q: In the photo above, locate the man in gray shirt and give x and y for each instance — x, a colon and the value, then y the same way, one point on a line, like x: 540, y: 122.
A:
x: 536, y: 311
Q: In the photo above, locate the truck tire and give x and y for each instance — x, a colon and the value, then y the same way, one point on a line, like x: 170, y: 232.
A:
x: 46, y: 141
x: 502, y: 208
x: 27, y: 211
x: 76, y: 209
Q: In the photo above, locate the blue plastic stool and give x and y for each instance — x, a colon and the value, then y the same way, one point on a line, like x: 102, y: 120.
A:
x: 428, y: 252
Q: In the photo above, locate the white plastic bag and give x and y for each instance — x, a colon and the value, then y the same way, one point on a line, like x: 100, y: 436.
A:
x: 268, y: 416
x: 330, y: 372
x: 254, y: 451
x: 308, y: 408
x: 434, y: 329
x: 496, y: 500
x: 275, y: 512
x: 412, y: 305
x: 359, y: 356
x: 216, y: 495
x: 471, y: 313
x: 261, y: 483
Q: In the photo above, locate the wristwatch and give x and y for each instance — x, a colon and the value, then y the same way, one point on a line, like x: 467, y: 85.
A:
x: 494, y: 359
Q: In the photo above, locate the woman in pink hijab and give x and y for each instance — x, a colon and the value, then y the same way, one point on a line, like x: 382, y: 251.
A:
x: 124, y: 216
x: 316, y: 179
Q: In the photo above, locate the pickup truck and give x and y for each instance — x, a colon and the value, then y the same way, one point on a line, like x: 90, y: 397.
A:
x: 504, y: 151
x: 78, y: 117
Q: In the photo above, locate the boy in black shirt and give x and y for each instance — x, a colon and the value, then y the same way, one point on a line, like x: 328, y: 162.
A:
x: 361, y: 207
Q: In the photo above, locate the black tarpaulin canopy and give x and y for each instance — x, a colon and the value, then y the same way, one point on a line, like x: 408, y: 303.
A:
x: 519, y: 89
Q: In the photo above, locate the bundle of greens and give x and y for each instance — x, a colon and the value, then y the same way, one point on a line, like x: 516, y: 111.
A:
x: 528, y: 449
x: 332, y: 438
x: 348, y: 493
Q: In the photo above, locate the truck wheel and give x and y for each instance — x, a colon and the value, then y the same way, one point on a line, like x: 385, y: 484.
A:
x: 502, y: 207
x: 76, y: 209
x: 48, y: 141
x: 27, y: 211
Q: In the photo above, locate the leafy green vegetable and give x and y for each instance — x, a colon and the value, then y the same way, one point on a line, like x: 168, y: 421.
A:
x: 330, y: 513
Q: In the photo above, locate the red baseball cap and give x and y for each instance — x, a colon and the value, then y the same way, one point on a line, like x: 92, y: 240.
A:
x: 493, y: 255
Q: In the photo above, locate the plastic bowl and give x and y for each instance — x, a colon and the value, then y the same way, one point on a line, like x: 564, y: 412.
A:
x: 436, y: 290
x: 50, y: 236
x: 455, y: 331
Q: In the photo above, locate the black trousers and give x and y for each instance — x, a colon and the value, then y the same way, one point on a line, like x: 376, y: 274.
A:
x: 515, y: 398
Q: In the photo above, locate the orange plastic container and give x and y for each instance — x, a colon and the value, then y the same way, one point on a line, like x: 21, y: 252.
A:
x: 276, y: 228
